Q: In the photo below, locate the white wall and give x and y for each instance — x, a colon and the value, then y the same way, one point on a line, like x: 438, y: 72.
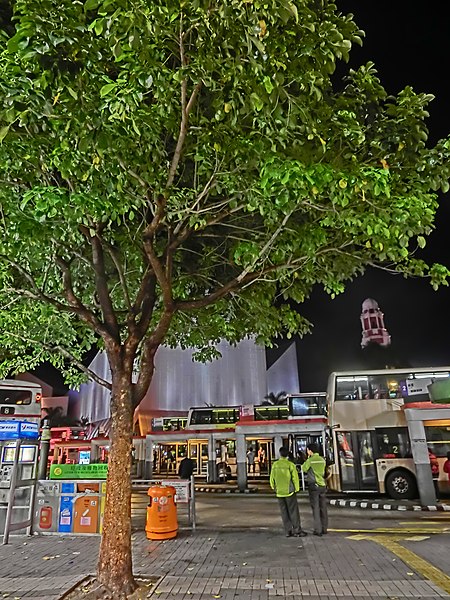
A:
x: 239, y: 377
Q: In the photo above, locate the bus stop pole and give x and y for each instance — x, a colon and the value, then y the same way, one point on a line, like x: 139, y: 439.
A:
x: 44, y: 450
x: 12, y: 490
x: 193, y: 516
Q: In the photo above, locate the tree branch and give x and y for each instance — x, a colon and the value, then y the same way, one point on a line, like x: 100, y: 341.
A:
x: 158, y: 269
x: 244, y: 280
x: 101, y: 284
x: 66, y: 354
x: 149, y: 348
x: 143, y: 304
x: 266, y: 247
x: 123, y: 282
x: 75, y: 303
x: 186, y: 108
x: 74, y: 306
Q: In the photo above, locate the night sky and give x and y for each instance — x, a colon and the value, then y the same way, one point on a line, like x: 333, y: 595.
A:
x: 409, y: 46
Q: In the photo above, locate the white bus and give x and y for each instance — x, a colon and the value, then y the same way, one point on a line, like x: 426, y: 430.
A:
x: 370, y: 433
x: 20, y: 400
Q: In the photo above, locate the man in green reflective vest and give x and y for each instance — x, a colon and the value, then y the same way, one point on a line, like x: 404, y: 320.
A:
x: 284, y: 481
x: 314, y: 468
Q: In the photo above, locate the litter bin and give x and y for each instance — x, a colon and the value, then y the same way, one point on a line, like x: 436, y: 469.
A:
x: 162, y: 523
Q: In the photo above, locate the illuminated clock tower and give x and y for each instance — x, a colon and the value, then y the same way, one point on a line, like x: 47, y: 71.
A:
x: 372, y: 322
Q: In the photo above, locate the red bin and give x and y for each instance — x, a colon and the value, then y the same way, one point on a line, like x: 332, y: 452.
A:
x: 162, y: 522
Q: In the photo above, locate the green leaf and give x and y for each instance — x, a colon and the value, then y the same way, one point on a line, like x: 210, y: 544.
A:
x: 91, y: 5
x: 72, y: 92
x: 421, y: 241
x: 107, y: 88
x: 268, y: 84
x: 4, y: 132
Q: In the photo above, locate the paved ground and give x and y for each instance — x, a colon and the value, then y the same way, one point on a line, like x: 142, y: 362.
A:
x: 401, y: 557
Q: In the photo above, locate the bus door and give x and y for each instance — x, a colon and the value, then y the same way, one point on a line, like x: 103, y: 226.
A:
x: 302, y: 441
x: 356, y: 460
x: 198, y: 451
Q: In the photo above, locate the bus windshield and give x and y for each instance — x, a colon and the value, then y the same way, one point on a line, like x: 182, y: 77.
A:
x: 411, y: 386
x: 308, y: 405
x: 15, y: 396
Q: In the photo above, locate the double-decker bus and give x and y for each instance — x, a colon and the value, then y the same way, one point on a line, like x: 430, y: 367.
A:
x: 369, y: 428
x: 20, y: 400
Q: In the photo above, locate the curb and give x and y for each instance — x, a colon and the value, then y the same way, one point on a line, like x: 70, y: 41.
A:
x: 225, y: 491
x: 380, y: 506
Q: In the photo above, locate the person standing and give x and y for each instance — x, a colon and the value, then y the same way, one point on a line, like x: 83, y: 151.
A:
x: 186, y: 468
x: 446, y: 466
x: 262, y: 459
x: 251, y: 460
x: 314, y: 468
x: 284, y: 481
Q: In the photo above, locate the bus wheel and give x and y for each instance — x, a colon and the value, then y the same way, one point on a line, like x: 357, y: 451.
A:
x: 401, y: 484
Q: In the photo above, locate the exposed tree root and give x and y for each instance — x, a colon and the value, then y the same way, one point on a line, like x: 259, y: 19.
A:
x: 93, y: 590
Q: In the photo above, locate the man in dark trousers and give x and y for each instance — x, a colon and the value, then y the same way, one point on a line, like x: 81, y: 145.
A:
x: 284, y: 481
x: 186, y: 468
x: 314, y: 467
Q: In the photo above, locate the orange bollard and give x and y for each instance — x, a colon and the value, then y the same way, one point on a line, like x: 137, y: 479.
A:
x: 162, y: 523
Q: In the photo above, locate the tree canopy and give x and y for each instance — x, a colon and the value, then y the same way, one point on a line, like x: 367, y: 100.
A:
x: 185, y: 172
x: 196, y: 159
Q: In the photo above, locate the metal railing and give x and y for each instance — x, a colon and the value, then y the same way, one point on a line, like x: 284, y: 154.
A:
x: 14, y: 484
x: 185, y: 493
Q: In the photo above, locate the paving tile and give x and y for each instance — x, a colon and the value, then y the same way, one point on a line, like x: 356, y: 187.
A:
x: 235, y: 565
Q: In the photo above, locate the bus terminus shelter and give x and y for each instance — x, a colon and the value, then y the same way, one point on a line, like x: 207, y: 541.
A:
x: 416, y: 419
x: 246, y: 433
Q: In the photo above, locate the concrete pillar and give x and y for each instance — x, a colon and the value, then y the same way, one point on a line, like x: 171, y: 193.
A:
x: 421, y: 459
x: 241, y: 461
x: 278, y: 442
x: 95, y: 453
x: 148, y: 464
x: 212, y: 469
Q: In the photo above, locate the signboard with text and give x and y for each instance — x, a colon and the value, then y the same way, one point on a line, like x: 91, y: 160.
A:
x: 72, y: 471
x: 181, y: 489
x: 13, y: 430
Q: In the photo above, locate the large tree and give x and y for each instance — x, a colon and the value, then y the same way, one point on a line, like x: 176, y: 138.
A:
x: 184, y: 172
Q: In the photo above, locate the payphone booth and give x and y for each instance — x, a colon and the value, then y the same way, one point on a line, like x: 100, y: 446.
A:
x: 19, y: 448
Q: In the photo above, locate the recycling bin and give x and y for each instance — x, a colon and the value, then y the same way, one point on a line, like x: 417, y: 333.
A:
x: 162, y: 522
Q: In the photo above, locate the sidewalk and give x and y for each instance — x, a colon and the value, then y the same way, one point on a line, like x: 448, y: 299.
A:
x: 237, y: 565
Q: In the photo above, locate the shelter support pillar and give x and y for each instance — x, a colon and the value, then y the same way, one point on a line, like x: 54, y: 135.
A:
x: 421, y: 459
x: 241, y: 461
x: 278, y: 443
x: 212, y: 469
x: 148, y: 464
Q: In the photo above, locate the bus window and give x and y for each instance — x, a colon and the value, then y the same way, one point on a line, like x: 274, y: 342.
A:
x: 438, y: 440
x: 352, y: 388
x: 201, y: 417
x: 213, y: 416
x: 393, y: 443
x: 271, y: 413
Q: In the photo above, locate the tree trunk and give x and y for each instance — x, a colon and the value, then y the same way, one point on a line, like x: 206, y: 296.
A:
x: 114, y: 569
